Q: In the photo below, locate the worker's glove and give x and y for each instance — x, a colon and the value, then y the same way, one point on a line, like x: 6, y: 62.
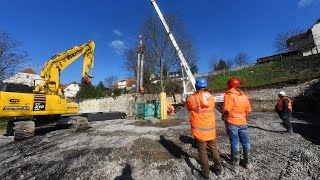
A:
x: 224, y: 116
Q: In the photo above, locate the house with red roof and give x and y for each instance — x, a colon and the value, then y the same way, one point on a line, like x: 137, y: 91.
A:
x: 27, y: 77
x: 126, y: 84
x: 70, y: 90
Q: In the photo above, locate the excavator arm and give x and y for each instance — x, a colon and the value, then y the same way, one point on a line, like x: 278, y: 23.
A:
x: 51, y: 71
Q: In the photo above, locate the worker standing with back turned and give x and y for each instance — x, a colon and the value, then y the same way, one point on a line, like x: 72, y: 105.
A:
x: 284, y: 110
x: 236, y: 108
x: 203, y: 126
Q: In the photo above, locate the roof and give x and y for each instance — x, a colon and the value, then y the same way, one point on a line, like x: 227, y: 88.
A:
x: 303, y: 35
x: 317, y: 22
x: 299, y: 36
x: 74, y: 82
x: 66, y: 85
x: 29, y: 71
x: 63, y: 85
x: 130, y: 81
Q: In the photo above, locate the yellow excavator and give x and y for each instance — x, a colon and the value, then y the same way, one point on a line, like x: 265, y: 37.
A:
x: 47, y: 102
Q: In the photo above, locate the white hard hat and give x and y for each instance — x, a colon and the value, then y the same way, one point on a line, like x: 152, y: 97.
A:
x: 282, y: 93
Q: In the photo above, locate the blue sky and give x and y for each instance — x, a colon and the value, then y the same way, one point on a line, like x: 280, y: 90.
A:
x: 220, y: 28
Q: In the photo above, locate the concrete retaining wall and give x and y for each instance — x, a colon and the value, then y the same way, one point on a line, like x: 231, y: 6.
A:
x: 262, y: 99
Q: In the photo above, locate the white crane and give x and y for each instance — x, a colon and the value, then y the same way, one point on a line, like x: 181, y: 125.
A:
x: 183, y: 61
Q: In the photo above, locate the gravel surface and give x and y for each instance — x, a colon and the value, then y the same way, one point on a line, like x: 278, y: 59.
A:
x: 133, y: 149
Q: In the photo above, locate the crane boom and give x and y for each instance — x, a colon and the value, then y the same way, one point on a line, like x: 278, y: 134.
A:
x: 183, y: 61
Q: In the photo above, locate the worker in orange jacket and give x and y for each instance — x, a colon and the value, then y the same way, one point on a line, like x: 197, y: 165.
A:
x: 284, y: 110
x: 236, y: 108
x: 203, y: 126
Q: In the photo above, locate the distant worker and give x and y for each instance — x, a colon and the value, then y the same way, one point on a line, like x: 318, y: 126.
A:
x: 141, y: 89
x: 284, y: 110
x: 236, y: 108
x: 203, y: 126
x: 170, y: 109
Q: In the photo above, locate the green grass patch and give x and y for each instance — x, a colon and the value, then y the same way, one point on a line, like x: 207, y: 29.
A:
x: 292, y: 69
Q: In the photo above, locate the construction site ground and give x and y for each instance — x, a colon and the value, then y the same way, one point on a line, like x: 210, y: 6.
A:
x: 150, y: 149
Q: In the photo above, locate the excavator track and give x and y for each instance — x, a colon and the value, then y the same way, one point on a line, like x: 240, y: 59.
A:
x: 23, y: 130
x: 80, y: 123
x: 76, y: 123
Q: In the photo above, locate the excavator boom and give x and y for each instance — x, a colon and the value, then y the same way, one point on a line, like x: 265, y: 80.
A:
x: 51, y: 71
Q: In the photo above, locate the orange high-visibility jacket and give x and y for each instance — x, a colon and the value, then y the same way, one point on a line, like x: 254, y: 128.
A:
x: 238, y: 106
x: 202, y: 119
x: 280, y: 106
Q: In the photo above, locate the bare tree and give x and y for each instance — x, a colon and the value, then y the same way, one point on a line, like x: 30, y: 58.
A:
x: 241, y: 59
x: 280, y: 41
x: 11, y: 57
x: 213, y: 61
x: 110, y: 80
x: 229, y: 63
x: 160, y: 55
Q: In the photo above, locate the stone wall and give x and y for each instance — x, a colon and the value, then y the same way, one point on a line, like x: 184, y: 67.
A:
x: 262, y: 99
x: 125, y: 103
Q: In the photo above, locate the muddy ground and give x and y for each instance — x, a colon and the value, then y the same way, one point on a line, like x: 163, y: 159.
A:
x: 133, y: 149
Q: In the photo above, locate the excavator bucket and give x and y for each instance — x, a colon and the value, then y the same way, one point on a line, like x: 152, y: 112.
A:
x: 87, y: 80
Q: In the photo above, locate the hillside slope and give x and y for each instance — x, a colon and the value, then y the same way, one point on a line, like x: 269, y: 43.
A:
x: 285, y: 71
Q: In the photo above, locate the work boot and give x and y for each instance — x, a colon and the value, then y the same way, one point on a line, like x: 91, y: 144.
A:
x: 218, y: 173
x: 290, y: 131
x: 246, y: 157
x: 199, y: 175
x: 235, y: 160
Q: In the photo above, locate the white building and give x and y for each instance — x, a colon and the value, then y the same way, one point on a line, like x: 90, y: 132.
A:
x: 27, y: 77
x: 126, y: 84
x: 316, y: 36
x: 70, y: 90
x: 308, y: 42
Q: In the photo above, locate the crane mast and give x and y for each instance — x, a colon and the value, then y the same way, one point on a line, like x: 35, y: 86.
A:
x: 183, y: 61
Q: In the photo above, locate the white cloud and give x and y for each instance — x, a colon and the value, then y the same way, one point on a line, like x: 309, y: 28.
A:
x: 118, y: 45
x: 117, y: 32
x: 305, y: 3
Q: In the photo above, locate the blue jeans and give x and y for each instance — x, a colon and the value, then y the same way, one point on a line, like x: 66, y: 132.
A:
x: 235, y: 133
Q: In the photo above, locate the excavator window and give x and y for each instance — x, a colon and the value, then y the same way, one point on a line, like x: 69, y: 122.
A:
x: 11, y: 87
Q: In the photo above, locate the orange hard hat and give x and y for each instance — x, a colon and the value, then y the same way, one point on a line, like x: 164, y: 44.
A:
x: 234, y: 82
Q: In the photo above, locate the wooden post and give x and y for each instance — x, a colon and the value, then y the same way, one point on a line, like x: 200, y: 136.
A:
x: 163, y: 105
